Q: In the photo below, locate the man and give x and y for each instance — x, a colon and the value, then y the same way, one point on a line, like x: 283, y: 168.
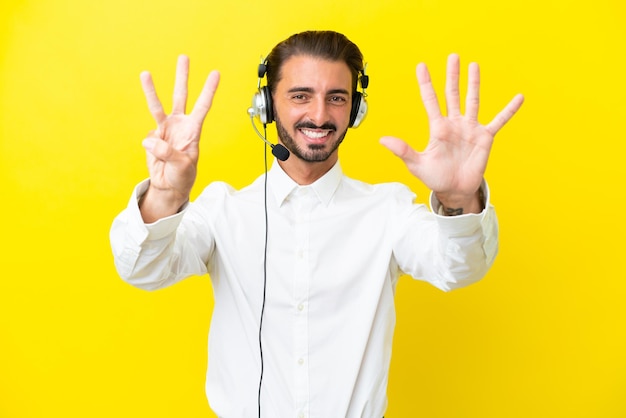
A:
x: 304, y: 262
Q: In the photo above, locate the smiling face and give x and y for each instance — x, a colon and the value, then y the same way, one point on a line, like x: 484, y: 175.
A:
x: 312, y: 104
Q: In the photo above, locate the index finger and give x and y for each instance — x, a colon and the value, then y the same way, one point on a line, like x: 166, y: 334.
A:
x: 427, y: 91
x: 154, y: 104
x: 205, y: 100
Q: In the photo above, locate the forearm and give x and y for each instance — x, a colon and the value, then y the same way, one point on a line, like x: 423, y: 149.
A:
x: 470, y: 242
x: 448, y: 252
x: 151, y: 256
x: 467, y: 250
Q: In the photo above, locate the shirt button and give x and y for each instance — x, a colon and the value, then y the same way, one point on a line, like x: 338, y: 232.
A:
x: 301, y: 307
x: 300, y: 361
x: 301, y: 415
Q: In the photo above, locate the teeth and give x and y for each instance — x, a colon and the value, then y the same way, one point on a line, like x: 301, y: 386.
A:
x: 315, y: 134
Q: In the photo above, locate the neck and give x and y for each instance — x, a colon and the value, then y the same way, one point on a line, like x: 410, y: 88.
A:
x: 305, y: 173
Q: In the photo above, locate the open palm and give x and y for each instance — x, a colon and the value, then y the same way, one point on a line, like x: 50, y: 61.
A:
x: 455, y: 159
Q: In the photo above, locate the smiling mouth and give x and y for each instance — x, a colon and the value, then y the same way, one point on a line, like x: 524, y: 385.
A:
x: 316, y: 134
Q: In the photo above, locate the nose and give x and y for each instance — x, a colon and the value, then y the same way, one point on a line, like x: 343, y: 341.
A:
x: 318, y: 111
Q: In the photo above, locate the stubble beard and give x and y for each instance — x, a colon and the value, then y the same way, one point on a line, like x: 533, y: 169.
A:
x: 314, y: 153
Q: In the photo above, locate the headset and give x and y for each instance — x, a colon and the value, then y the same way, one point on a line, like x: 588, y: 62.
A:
x: 263, y: 107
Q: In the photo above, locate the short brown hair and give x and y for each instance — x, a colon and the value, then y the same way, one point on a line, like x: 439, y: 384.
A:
x: 329, y: 45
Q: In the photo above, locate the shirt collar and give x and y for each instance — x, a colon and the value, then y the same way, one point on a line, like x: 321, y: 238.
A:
x: 282, y: 185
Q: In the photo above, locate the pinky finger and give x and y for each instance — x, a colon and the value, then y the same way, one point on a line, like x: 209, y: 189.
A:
x: 505, y: 115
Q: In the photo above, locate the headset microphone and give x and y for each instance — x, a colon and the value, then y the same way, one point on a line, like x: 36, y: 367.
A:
x: 262, y: 108
x: 278, y: 150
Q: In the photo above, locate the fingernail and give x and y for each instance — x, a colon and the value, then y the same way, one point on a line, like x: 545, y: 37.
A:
x: 149, y: 143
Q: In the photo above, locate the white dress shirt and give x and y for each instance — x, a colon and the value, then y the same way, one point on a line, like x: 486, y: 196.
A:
x: 335, y: 251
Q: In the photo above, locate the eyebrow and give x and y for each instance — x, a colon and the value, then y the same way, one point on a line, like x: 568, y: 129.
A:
x: 310, y: 90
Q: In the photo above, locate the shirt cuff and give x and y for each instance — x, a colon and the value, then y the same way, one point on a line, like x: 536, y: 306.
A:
x: 436, y: 206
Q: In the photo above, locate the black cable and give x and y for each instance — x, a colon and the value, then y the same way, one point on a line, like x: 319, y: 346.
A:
x: 264, y: 272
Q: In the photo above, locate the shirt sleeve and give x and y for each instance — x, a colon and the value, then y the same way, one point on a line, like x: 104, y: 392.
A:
x: 449, y: 252
x: 152, y: 256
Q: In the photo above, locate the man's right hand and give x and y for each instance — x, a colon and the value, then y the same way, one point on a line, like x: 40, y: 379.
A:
x: 173, y: 148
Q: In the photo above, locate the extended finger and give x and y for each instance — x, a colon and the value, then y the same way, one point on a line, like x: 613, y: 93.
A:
x: 400, y: 149
x: 429, y: 97
x: 472, y: 100
x: 505, y: 115
x: 180, y: 86
x: 452, y: 86
x: 205, y: 100
x: 154, y: 104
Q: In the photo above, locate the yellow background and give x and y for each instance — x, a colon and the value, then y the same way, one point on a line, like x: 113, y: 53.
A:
x: 543, y: 335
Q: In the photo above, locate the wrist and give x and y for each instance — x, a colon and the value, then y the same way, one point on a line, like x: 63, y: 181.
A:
x: 455, y: 204
x: 156, y: 203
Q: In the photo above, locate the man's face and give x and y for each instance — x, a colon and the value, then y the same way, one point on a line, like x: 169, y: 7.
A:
x: 312, y: 104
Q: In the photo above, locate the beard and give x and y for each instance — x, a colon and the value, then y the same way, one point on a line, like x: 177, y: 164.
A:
x: 313, y: 153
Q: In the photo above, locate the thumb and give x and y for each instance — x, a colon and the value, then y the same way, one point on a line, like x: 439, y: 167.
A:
x: 160, y: 149
x: 400, y: 148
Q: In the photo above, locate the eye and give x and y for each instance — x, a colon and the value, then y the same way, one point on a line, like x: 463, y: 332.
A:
x: 299, y: 98
x: 337, y: 99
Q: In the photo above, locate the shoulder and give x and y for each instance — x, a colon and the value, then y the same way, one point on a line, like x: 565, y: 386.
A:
x: 219, y: 193
x: 392, y: 191
x: 216, y: 190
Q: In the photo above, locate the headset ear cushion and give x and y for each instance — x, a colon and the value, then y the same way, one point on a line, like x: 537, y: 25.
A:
x: 266, y: 96
x: 358, y: 111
